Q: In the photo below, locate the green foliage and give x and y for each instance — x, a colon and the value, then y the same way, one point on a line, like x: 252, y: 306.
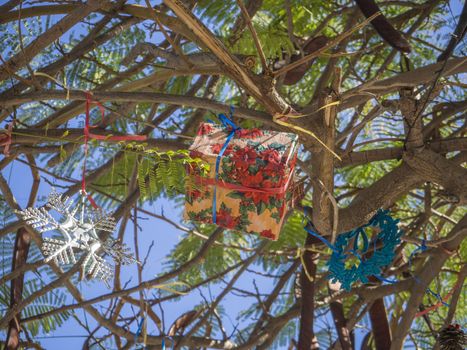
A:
x: 284, y: 336
x: 218, y: 12
x: 275, y: 41
x: 48, y: 302
x: 157, y: 173
x: 33, y: 283
x: 215, y: 261
x: 163, y: 174
x: 291, y: 238
x: 165, y: 171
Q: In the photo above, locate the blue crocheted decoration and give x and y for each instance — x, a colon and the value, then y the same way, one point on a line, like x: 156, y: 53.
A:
x: 389, y: 236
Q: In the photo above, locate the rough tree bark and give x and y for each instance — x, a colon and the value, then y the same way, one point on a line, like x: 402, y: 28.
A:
x: 22, y: 242
x: 380, y: 325
x: 425, y: 156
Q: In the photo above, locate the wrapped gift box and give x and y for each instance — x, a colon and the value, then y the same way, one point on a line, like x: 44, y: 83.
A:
x: 255, y: 181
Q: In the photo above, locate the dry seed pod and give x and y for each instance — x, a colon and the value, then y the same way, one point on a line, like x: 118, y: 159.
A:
x: 452, y: 337
x: 384, y: 28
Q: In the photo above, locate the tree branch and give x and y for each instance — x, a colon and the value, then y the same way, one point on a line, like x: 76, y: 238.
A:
x: 45, y: 39
x: 137, y: 97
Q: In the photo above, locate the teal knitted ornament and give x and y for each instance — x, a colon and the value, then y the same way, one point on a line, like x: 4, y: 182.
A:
x: 389, y: 237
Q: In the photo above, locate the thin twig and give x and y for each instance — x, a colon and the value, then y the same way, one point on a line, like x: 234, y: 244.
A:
x: 252, y: 29
x: 167, y: 36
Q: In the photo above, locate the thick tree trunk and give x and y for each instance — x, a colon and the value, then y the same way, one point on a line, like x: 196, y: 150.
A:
x: 380, y: 325
x: 340, y: 322
x: 307, y: 339
x: 323, y: 168
x: 20, y: 256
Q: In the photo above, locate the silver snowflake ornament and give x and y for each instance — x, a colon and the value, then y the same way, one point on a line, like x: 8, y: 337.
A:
x: 77, y: 238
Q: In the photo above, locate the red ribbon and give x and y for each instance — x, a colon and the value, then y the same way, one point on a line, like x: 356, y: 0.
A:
x: 87, y: 126
x: 273, y: 190
x: 89, y: 135
x: 7, y: 139
x: 440, y: 303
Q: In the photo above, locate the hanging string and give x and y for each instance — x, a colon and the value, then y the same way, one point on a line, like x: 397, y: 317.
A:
x: 87, y: 130
x: 140, y: 328
x: 63, y: 85
x: 86, y: 147
x: 281, y: 119
x: 88, y: 126
x: 421, y: 248
x: 143, y: 319
x: 301, y: 255
x: 310, y: 228
x: 441, y: 301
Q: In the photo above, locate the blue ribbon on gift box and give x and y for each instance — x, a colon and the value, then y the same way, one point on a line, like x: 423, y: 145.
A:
x: 228, y: 124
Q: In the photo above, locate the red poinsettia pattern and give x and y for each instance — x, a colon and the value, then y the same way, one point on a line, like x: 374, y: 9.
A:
x: 249, y: 133
x: 216, y: 149
x: 225, y: 218
x: 268, y: 234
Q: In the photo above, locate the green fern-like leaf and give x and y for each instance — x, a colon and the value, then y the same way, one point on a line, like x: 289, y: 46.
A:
x: 142, y: 172
x: 39, y: 306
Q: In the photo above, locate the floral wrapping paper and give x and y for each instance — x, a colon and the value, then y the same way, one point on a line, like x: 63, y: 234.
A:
x: 255, y: 179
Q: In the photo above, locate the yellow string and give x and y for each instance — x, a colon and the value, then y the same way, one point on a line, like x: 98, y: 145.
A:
x: 166, y: 287
x: 330, y: 104
x: 145, y: 325
x: 277, y: 119
x: 64, y: 85
x: 301, y: 253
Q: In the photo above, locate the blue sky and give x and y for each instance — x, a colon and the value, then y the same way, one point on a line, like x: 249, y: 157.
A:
x: 164, y: 236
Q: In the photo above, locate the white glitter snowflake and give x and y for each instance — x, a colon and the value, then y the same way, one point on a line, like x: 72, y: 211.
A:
x: 78, y: 227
